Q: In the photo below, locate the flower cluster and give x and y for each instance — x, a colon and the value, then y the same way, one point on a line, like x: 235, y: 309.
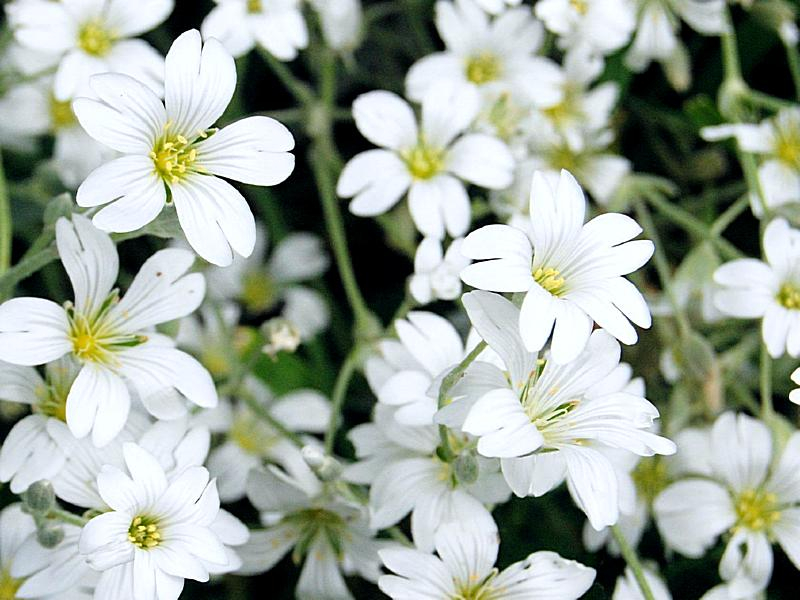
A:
x: 202, y: 390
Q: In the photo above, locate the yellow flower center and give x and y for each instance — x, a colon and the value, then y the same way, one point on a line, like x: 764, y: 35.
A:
x: 787, y: 143
x: 789, y: 296
x: 476, y: 587
x: 254, y: 6
x: 251, y: 434
x: 95, y: 39
x: 756, y: 510
x: 650, y: 477
x: 52, y: 403
x: 423, y: 161
x: 563, y: 158
x: 173, y: 157
x: 61, y: 113
x: 579, y: 6
x: 258, y: 291
x: 8, y: 585
x: 143, y: 533
x: 483, y: 68
x: 94, y: 338
x: 550, y: 279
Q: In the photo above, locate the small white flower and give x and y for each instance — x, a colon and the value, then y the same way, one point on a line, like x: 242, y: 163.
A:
x: 405, y: 475
x: 331, y: 535
x: 429, y: 162
x: 172, y: 154
x: 436, y: 275
x: 752, y: 289
x: 572, y: 272
x: 111, y: 338
x: 342, y: 23
x: 486, y: 55
x: 601, y: 25
x: 545, y: 420
x: 777, y: 140
x: 465, y: 569
x: 157, y: 533
x: 93, y: 37
x: 747, y: 491
x: 276, y: 25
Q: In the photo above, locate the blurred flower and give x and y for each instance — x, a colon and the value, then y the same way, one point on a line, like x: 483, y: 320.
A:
x: 601, y: 25
x: 436, y: 275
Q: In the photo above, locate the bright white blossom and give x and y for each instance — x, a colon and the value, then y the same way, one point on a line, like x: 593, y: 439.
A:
x: 157, y: 533
x: 428, y: 161
x: 93, y: 37
x: 111, y: 337
x: 747, y: 487
x: 601, y: 25
x: 436, y: 274
x: 465, y: 569
x: 275, y: 25
x: 173, y: 154
x: 572, y: 273
x: 769, y: 289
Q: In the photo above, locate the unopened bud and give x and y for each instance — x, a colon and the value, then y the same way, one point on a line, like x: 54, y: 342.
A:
x: 50, y: 536
x: 326, y: 467
x: 466, y: 468
x: 39, y: 497
x: 281, y: 336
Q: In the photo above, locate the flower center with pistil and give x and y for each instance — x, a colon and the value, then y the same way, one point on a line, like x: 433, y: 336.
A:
x: 789, y: 296
x: 756, y: 510
x: 476, y: 588
x: 8, y: 585
x: 787, y: 143
x: 482, y: 68
x: 143, y: 533
x: 252, y: 435
x: 579, y: 6
x: 423, y: 161
x: 95, y: 39
x: 94, y: 337
x: 61, y: 113
x: 254, y: 6
x: 650, y: 477
x: 173, y: 157
x: 550, y: 279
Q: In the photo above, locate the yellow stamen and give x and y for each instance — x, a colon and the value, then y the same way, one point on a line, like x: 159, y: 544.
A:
x: 8, y: 585
x: 95, y: 39
x: 756, y: 510
x: 144, y: 533
x: 550, y: 279
x: 423, y: 161
x: 580, y: 6
x: 174, y: 156
x: 61, y: 113
x: 789, y: 296
x: 483, y: 68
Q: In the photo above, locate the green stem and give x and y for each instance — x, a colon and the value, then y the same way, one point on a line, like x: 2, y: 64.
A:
x: 64, y: 516
x: 631, y: 558
x: 339, y: 393
x: 662, y: 267
x: 728, y: 216
x: 793, y: 57
x: 262, y: 413
x: 6, y: 228
x: 730, y: 51
x: 762, y: 100
x: 750, y: 170
x: 765, y: 384
x: 26, y: 267
x: 300, y: 90
x: 448, y: 382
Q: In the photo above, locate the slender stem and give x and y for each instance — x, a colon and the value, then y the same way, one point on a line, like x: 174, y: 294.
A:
x: 662, y: 266
x: 728, y: 216
x: 765, y: 384
x: 262, y: 413
x: 26, y: 267
x: 631, y: 558
x: 793, y: 57
x: 6, y: 227
x: 297, y: 88
x: 448, y: 382
x: 763, y: 100
x: 339, y: 393
x: 730, y: 51
x: 64, y: 516
x: 750, y: 170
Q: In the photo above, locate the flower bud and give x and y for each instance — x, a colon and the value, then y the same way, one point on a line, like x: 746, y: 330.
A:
x: 39, y: 497
x: 281, y: 335
x: 326, y: 467
x: 466, y: 468
x: 50, y: 536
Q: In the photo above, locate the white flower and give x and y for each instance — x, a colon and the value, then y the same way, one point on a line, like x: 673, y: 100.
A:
x: 794, y: 395
x: 436, y: 275
x: 31, y: 109
x: 777, y: 139
x: 770, y: 290
x: 28, y: 570
x: 572, y: 272
x: 409, y: 374
x: 656, y: 35
x: 627, y: 587
x: 93, y: 37
x: 602, y: 25
x: 465, y: 569
x: 29, y: 453
x: 261, y: 283
x: 405, y: 475
x: 487, y: 55
x: 276, y: 25
x: 112, y: 338
x: 748, y: 490
x: 249, y: 441
x: 544, y: 420
x: 495, y: 7
x: 157, y: 534
x: 174, y: 150
x: 428, y: 162
x: 342, y: 23
x: 330, y: 534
